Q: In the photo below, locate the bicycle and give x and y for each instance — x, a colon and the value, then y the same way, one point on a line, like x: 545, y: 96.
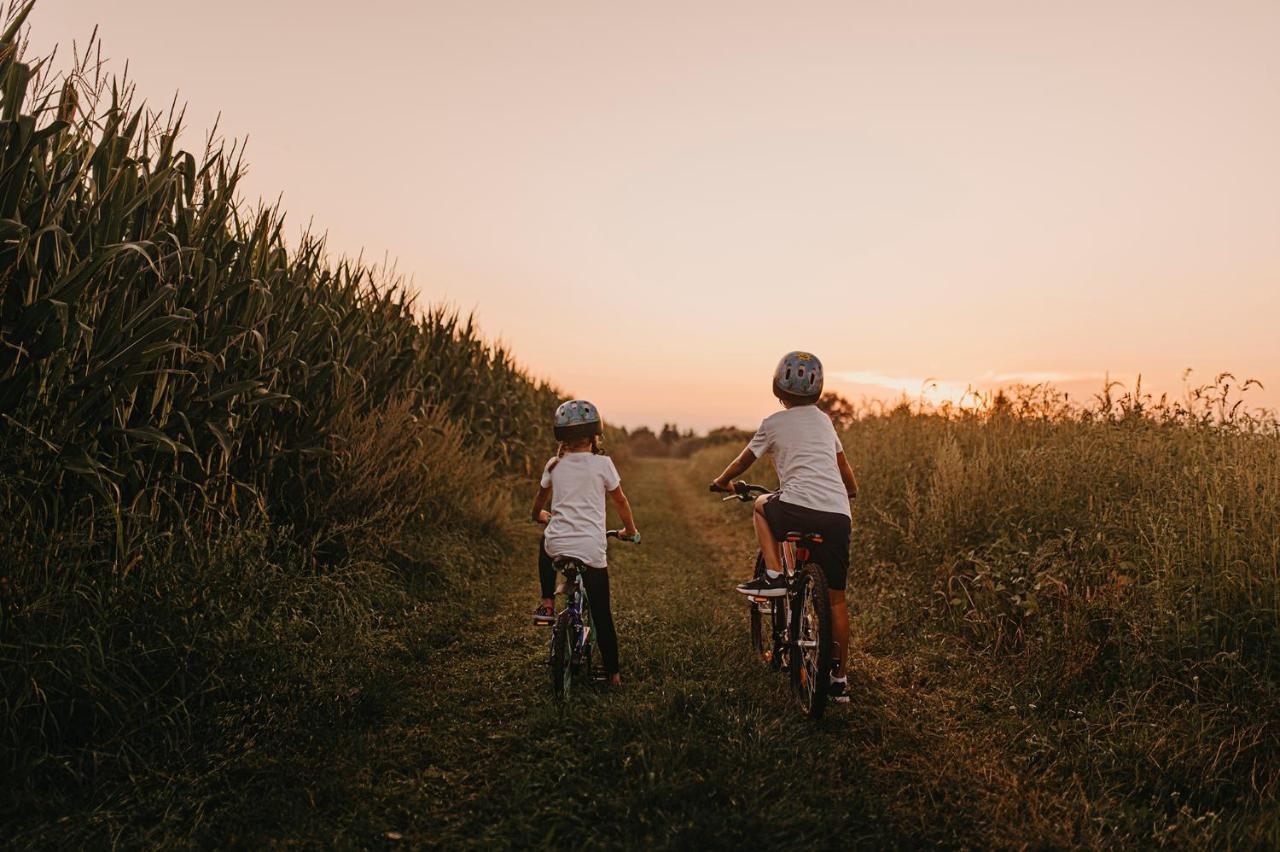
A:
x: 793, y: 632
x: 573, y: 634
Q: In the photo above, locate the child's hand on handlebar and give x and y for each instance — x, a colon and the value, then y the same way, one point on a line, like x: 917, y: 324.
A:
x: 544, y: 517
x: 717, y: 485
x: 632, y: 535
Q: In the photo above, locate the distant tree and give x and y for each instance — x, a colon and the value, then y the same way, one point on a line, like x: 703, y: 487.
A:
x: 643, y: 442
x: 839, y: 409
x: 727, y: 434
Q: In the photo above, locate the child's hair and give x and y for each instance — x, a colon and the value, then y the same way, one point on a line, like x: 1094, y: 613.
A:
x: 796, y: 399
x: 564, y: 448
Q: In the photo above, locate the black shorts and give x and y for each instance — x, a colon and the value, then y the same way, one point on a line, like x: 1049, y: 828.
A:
x: 833, y: 553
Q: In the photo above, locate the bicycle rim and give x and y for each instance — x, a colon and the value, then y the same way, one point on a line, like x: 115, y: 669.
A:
x: 811, y: 642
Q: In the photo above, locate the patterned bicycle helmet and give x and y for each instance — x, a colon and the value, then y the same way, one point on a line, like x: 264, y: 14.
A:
x: 799, y: 376
x: 577, y: 419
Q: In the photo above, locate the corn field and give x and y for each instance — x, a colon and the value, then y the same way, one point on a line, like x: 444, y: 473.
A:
x: 182, y: 392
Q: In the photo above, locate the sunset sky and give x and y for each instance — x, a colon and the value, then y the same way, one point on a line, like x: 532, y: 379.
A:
x: 650, y: 202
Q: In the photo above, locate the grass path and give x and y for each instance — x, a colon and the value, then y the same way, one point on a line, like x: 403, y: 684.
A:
x: 699, y: 749
x: 458, y: 743
x: 452, y: 740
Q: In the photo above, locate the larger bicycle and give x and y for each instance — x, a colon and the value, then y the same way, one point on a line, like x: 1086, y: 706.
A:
x: 792, y: 632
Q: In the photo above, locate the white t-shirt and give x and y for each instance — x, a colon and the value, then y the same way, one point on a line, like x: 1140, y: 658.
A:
x: 804, y: 446
x: 578, y: 485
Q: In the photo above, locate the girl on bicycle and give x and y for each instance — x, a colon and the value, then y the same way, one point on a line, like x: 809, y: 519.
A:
x: 580, y: 476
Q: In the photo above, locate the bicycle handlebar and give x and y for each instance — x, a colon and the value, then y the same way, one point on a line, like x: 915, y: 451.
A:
x: 741, y: 491
x: 618, y: 535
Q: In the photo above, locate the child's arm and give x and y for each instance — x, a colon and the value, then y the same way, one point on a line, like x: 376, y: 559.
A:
x: 623, y: 506
x: 846, y: 473
x: 737, y: 467
x: 540, y: 500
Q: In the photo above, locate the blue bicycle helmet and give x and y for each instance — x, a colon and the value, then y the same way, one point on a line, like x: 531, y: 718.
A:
x: 798, y: 377
x: 577, y: 419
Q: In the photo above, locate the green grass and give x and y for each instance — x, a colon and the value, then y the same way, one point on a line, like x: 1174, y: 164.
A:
x: 445, y: 732
x: 451, y: 736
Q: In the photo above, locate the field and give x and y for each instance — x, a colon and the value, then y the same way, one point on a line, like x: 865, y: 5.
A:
x: 265, y: 580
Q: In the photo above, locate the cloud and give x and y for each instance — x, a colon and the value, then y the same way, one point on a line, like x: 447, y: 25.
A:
x: 1035, y: 378
x: 932, y: 389
x: 955, y: 390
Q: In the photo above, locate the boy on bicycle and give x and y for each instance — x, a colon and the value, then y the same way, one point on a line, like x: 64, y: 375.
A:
x: 816, y: 486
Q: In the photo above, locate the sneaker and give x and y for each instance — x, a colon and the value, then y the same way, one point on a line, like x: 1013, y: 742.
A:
x: 543, y: 616
x: 764, y: 586
x: 838, y: 691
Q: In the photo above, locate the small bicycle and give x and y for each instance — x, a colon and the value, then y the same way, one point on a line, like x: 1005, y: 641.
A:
x: 573, y: 634
x: 792, y: 633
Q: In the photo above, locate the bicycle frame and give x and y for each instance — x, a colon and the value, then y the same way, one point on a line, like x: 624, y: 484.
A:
x: 573, y: 634
x: 579, y: 610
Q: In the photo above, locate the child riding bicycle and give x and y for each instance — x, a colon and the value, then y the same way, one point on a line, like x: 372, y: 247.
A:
x: 579, y: 477
x: 816, y: 486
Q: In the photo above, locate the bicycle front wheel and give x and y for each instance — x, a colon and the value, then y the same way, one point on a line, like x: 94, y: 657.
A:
x: 811, y: 641
x: 561, y: 657
x: 762, y: 625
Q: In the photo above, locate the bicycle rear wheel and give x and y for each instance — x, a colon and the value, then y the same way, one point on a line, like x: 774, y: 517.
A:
x: 811, y: 641
x: 561, y: 657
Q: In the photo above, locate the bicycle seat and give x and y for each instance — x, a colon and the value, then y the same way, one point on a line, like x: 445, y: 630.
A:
x: 568, y: 564
x: 811, y: 538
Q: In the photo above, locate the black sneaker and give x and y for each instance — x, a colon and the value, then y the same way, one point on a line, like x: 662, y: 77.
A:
x: 838, y: 691
x: 764, y: 586
x: 544, y: 616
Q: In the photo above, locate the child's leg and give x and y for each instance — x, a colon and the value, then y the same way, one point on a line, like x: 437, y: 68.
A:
x: 546, y: 575
x: 839, y: 631
x: 597, y: 582
x: 768, y: 544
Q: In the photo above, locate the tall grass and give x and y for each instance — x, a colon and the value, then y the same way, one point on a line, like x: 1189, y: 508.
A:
x: 1104, y: 584
x: 219, y: 454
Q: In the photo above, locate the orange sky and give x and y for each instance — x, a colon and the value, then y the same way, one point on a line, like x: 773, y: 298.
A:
x: 651, y: 202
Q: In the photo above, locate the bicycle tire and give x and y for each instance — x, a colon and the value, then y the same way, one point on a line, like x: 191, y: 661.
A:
x: 811, y: 623
x: 762, y: 632
x: 561, y: 657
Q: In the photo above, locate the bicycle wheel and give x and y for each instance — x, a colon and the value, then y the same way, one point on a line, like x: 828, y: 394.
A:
x: 561, y: 657
x: 811, y: 641
x: 762, y: 636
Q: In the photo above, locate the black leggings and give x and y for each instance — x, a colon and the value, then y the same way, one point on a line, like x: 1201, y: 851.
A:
x: 596, y: 581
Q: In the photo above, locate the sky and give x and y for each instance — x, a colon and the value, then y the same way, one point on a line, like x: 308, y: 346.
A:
x: 651, y: 202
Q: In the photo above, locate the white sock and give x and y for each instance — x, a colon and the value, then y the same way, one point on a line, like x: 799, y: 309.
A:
x: 772, y: 575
